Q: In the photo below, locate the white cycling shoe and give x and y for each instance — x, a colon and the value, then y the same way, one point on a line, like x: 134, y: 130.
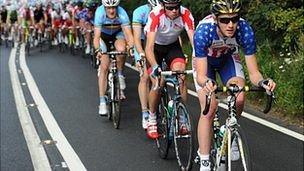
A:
x: 235, y: 154
x: 103, y: 110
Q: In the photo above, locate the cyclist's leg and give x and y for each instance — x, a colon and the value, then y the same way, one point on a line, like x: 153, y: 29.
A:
x: 204, y: 130
x: 232, y: 73
x: 177, y: 62
x: 120, y: 45
x: 88, y: 28
x: 102, y: 79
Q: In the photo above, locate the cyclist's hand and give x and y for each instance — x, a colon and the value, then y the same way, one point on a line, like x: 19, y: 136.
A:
x: 268, y: 84
x: 140, y: 63
x: 155, y: 71
x: 131, y: 51
x: 210, y: 86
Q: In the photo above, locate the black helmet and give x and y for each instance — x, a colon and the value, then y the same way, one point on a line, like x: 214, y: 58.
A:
x: 225, y: 6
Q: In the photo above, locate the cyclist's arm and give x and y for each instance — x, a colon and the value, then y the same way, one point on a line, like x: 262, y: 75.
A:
x: 128, y: 34
x: 97, y: 32
x: 190, y: 36
x: 137, y: 30
x: 253, y: 69
x: 201, y: 69
x: 150, y: 48
x: 32, y: 18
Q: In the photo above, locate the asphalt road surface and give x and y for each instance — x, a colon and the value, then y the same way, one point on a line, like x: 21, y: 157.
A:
x: 68, y: 85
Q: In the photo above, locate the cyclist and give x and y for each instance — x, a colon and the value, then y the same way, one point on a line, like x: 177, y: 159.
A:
x: 56, y: 22
x: 216, y: 42
x: 3, y: 18
x: 111, y: 24
x: 139, y: 20
x: 27, y: 19
x: 164, y: 27
x: 39, y: 19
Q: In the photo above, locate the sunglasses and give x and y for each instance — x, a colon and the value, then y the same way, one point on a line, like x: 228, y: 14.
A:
x: 171, y: 8
x: 226, y: 20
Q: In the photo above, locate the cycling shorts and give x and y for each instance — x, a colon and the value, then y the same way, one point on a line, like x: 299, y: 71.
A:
x: 227, y: 67
x: 171, y: 53
x: 105, y: 45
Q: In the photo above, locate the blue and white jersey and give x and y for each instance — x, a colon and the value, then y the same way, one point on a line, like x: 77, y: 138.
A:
x: 82, y: 14
x: 111, y: 26
x: 140, y: 16
x: 208, y: 44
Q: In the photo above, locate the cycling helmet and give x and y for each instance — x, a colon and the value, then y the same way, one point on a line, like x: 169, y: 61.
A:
x: 170, y: 1
x: 225, y: 6
x: 153, y: 2
x: 110, y: 3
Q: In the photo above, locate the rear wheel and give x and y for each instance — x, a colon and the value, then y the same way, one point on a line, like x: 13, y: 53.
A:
x: 116, y: 103
x: 163, y: 142
x: 183, y: 138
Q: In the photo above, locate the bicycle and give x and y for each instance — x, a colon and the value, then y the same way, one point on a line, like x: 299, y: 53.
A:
x: 114, y: 92
x: 231, y: 132
x: 71, y: 40
x: 169, y: 122
x: 28, y: 38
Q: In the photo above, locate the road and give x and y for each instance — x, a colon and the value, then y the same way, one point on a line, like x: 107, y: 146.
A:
x: 68, y: 86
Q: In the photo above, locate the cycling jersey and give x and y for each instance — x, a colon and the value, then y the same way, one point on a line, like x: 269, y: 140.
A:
x: 223, y: 54
x: 168, y: 30
x: 82, y: 14
x: 38, y: 15
x: 111, y: 26
x: 208, y: 43
x: 140, y: 16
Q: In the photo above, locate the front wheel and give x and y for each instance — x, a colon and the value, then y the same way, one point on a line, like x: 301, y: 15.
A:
x: 116, y: 103
x: 163, y: 141
x: 183, y: 137
x: 243, y: 163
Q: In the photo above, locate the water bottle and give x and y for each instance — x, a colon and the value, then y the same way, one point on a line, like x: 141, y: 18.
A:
x: 222, y: 131
x: 170, y: 112
x: 170, y: 108
x: 110, y: 79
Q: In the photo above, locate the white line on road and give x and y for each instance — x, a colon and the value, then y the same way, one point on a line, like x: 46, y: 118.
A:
x: 66, y: 150
x: 37, y: 152
x: 251, y: 117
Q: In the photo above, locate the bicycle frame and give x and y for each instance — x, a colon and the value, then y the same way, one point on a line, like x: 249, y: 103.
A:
x: 171, y: 121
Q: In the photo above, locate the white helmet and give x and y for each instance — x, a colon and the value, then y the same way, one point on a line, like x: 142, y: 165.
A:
x: 153, y: 3
x: 110, y: 3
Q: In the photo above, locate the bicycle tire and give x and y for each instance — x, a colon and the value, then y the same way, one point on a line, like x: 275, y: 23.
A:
x: 244, y: 150
x: 163, y: 142
x: 27, y: 48
x: 116, y: 103
x: 183, y: 142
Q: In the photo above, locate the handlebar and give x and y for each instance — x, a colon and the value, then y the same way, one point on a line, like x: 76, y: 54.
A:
x: 111, y: 53
x: 170, y: 73
x: 234, y: 89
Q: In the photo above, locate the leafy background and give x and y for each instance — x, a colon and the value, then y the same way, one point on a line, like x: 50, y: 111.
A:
x: 279, y: 29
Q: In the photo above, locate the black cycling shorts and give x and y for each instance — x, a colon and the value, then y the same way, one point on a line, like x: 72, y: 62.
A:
x: 168, y: 52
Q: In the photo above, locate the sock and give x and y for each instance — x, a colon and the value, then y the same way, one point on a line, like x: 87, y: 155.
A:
x: 120, y: 72
x: 102, y: 99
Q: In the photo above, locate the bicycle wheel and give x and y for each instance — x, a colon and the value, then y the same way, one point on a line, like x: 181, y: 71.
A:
x: 183, y: 140
x: 116, y: 103
x: 162, y: 142
x: 243, y: 163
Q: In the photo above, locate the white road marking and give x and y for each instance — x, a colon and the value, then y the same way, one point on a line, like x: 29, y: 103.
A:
x: 36, y: 150
x: 69, y: 155
x: 249, y: 116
